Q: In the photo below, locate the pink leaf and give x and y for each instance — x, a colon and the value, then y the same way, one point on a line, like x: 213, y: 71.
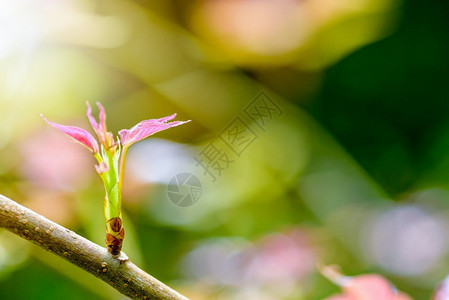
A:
x: 147, y: 128
x: 99, y: 128
x: 362, y: 287
x: 370, y: 287
x: 80, y: 135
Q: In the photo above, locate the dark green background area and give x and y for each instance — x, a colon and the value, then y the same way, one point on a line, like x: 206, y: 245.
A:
x: 36, y: 281
x: 388, y: 103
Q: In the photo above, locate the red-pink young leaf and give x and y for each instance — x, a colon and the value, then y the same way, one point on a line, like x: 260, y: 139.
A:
x: 78, y: 134
x: 147, y: 128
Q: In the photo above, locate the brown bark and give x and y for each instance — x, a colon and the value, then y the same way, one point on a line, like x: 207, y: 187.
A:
x: 122, y: 275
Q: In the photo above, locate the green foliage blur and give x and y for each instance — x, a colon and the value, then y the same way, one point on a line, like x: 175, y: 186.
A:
x: 349, y: 167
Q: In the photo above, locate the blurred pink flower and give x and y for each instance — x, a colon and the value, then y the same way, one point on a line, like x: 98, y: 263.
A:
x: 274, y: 266
x: 283, y: 258
x: 146, y: 128
x: 49, y: 161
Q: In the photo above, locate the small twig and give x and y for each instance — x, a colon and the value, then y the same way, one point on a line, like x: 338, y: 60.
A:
x: 124, y: 276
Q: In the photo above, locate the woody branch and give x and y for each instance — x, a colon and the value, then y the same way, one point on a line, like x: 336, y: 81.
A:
x: 124, y: 276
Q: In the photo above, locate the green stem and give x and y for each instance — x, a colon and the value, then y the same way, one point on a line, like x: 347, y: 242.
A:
x: 122, y: 168
x: 98, y: 157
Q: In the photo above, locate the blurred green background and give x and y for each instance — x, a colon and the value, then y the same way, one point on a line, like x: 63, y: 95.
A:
x: 349, y: 167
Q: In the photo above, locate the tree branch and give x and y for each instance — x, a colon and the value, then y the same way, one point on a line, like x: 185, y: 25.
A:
x: 125, y: 276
